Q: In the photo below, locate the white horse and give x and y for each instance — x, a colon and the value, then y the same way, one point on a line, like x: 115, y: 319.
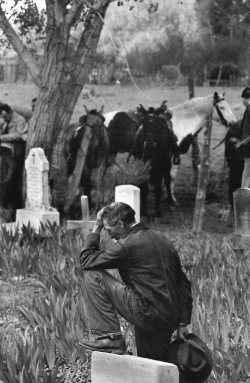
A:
x: 189, y: 118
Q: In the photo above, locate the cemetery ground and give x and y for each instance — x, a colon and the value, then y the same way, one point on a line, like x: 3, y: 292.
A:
x: 41, y: 308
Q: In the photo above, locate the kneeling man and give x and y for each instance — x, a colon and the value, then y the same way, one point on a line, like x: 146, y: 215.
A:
x: 154, y: 294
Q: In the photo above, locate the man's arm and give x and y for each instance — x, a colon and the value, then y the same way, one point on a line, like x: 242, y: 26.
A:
x: 16, y: 129
x: 247, y: 139
x: 92, y: 257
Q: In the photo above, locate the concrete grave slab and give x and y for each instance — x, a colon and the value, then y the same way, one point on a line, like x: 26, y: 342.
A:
x: 111, y: 368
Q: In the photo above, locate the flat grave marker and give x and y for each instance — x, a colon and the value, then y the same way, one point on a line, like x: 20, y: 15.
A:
x: 112, y: 368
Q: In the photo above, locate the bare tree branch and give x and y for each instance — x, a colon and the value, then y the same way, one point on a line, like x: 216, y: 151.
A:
x: 60, y: 12
x: 76, y: 8
x: 28, y: 58
x: 50, y: 11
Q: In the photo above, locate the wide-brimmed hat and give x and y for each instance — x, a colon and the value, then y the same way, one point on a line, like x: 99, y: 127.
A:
x: 192, y: 357
x: 246, y: 92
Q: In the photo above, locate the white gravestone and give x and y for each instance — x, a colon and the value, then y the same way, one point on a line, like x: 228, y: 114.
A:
x: 111, y: 368
x: 130, y: 195
x: 37, y: 209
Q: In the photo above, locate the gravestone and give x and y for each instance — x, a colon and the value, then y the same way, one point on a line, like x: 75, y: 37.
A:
x: 130, y: 195
x: 111, y: 368
x: 242, y: 216
x: 37, y: 209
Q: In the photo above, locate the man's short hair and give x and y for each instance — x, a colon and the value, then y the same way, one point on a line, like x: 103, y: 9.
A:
x: 246, y: 92
x: 119, y: 211
x: 5, y: 108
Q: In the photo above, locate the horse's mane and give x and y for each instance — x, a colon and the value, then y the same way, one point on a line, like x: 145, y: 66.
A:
x: 188, y: 107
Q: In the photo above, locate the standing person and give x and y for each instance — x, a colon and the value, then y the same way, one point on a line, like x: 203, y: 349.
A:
x: 12, y: 152
x: 244, y: 143
x: 28, y: 119
x: 154, y: 294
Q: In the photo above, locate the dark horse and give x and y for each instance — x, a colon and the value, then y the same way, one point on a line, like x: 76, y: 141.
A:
x: 86, y: 148
x: 150, y: 138
x: 156, y: 142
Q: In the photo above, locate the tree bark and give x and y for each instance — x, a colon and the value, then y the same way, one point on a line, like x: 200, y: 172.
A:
x: 59, y: 81
x: 60, y: 89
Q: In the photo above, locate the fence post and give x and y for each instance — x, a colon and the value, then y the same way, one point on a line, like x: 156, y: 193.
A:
x: 199, y: 209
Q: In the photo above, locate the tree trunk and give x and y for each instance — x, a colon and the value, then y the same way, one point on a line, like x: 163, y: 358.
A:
x: 51, y: 119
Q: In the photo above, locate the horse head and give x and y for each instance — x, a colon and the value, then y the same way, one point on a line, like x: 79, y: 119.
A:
x: 99, y: 145
x: 93, y: 118
x: 224, y: 114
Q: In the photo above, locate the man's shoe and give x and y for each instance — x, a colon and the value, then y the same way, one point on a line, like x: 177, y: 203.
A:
x: 112, y: 343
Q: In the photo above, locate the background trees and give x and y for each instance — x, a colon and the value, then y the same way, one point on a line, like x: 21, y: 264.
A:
x: 58, y: 47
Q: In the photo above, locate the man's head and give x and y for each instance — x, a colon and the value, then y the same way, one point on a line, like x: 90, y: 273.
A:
x: 5, y: 112
x: 118, y: 218
x: 245, y: 95
x: 33, y: 103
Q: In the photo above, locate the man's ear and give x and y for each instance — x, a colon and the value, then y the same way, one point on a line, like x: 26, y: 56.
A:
x: 121, y: 224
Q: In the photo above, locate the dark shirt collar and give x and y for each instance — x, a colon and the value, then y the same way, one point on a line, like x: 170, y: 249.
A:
x: 134, y: 229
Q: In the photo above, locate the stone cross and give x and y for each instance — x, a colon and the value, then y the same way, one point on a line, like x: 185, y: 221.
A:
x: 130, y: 195
x: 84, y: 224
x: 111, y: 368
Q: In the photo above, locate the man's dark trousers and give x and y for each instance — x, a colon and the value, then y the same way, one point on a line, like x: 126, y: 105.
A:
x: 105, y: 296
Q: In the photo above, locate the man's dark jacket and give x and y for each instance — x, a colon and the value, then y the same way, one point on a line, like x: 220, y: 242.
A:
x: 245, y: 131
x: 149, y: 264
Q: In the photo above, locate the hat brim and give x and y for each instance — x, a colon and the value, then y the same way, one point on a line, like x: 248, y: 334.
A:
x: 186, y: 371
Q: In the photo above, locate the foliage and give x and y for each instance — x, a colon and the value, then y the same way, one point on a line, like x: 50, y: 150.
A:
x: 22, y: 359
x: 225, y: 31
x: 221, y: 291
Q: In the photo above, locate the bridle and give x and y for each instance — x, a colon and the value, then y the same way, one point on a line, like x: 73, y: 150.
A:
x: 222, y: 119
x: 219, y: 112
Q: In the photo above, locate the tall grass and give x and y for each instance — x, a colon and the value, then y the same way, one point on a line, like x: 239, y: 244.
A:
x: 221, y: 312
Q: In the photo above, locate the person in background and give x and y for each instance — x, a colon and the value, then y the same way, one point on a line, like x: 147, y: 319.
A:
x: 154, y: 293
x: 243, y: 145
x: 12, y: 154
x: 25, y: 132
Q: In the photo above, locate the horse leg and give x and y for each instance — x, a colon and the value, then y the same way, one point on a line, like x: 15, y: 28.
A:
x: 170, y: 178
x: 157, y: 181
